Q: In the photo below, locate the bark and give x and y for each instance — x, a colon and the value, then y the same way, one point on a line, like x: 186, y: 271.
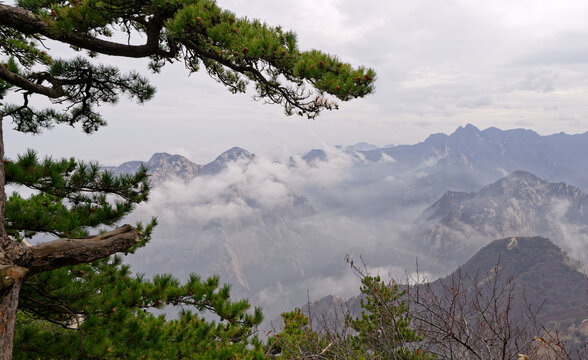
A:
x: 17, y: 260
x: 8, y: 306
x: 45, y: 257
x: 3, y: 237
x: 63, y: 252
x: 24, y: 83
x: 11, y: 277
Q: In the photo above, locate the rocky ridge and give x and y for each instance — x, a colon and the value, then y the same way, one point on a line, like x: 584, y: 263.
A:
x: 518, y: 204
x: 164, y: 166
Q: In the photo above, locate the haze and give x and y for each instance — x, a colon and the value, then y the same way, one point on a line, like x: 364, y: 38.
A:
x: 440, y: 64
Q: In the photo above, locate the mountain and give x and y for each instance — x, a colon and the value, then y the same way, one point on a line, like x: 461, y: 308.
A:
x: 274, y: 230
x: 220, y: 163
x: 518, y: 204
x: 464, y: 160
x: 494, y: 151
x: 315, y: 155
x: 362, y: 146
x: 543, y: 275
x: 548, y: 276
x: 164, y: 166
x: 232, y: 219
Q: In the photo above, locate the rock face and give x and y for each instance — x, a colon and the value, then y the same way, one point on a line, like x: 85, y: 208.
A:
x: 220, y: 163
x: 164, y: 166
x: 519, y: 204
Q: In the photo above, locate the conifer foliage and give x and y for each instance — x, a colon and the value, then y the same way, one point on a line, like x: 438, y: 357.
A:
x: 100, y: 309
x: 382, y: 331
x: 71, y: 290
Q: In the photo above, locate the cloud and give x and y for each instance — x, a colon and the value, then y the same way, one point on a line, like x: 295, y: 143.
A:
x: 425, y: 77
x: 287, y: 224
x: 440, y: 63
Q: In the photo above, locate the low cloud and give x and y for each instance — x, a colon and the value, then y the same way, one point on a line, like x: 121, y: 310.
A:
x: 281, y: 227
x: 279, y: 230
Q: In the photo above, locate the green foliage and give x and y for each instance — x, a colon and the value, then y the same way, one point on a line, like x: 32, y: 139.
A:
x: 98, y: 310
x: 70, y: 196
x: 87, y: 86
x: 102, y: 310
x: 297, y: 340
x: 233, y: 50
x: 21, y: 48
x: 382, y: 332
x: 4, y: 85
x: 384, y: 325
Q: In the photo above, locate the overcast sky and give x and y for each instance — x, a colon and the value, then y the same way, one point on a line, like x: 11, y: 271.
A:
x: 440, y: 64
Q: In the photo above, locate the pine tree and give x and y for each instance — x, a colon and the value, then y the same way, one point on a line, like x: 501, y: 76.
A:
x: 73, y: 200
x: 99, y: 309
x: 383, y: 329
x: 381, y: 332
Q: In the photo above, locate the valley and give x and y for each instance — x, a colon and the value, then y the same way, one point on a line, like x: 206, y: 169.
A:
x: 278, y: 230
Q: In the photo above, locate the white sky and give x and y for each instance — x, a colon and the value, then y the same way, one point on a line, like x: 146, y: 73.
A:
x: 440, y: 64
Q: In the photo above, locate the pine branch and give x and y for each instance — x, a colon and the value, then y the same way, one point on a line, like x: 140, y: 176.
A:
x: 29, y: 23
x: 62, y: 252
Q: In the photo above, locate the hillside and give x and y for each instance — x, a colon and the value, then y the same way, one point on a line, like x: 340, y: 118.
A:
x: 543, y: 275
x: 277, y: 228
x: 540, y: 269
x: 518, y: 204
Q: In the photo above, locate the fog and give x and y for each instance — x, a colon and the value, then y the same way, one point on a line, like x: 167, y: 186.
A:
x: 278, y: 230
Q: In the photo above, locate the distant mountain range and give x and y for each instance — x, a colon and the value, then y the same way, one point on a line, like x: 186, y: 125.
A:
x: 465, y: 160
x: 224, y: 218
x: 482, y: 155
x: 163, y: 166
x: 276, y: 229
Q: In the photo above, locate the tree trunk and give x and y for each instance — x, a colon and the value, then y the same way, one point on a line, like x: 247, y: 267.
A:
x: 3, y: 237
x: 8, y: 306
x: 10, y: 280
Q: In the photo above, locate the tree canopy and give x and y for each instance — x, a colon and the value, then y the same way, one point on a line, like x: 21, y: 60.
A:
x: 80, y: 204
x: 233, y: 50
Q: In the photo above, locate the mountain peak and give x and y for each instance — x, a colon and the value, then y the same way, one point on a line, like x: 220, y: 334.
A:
x: 522, y: 175
x: 163, y: 156
x: 468, y: 130
x: 233, y: 154
x: 315, y: 155
x: 362, y: 146
x: 163, y: 166
x: 545, y: 272
x: 515, y: 181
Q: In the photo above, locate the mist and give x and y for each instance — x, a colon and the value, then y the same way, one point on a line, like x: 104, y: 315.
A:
x: 278, y: 229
